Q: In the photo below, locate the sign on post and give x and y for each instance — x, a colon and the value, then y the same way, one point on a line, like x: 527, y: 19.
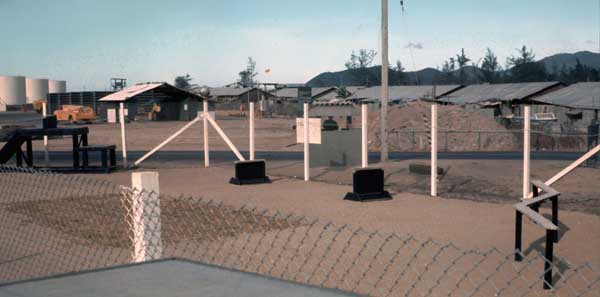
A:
x: 314, y: 127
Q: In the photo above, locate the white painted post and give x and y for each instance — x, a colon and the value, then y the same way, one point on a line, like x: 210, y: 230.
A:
x: 251, y: 113
x: 434, y: 149
x: 44, y: 114
x: 146, y: 223
x: 364, y: 135
x: 205, y: 121
x: 123, y: 142
x: 306, y: 144
x: 526, y: 151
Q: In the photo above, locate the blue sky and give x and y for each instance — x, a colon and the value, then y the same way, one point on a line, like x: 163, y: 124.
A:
x: 86, y: 42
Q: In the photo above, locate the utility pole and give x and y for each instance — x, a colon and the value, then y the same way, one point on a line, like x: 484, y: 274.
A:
x: 384, y: 80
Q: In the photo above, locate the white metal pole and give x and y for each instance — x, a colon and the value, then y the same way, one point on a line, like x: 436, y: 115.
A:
x: 306, y: 144
x: 434, y: 149
x: 123, y: 142
x: 364, y: 136
x: 205, y: 121
x: 44, y: 114
x: 145, y: 218
x: 526, y: 151
x: 251, y: 112
x: 384, y: 79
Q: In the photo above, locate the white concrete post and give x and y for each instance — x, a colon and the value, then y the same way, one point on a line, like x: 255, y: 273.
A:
x: 306, y: 144
x: 526, y: 151
x: 205, y: 121
x: 364, y: 135
x: 123, y: 142
x: 434, y: 149
x: 44, y: 114
x: 251, y: 113
x: 146, y: 223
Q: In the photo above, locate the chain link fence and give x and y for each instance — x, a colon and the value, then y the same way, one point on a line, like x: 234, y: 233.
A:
x: 52, y: 224
x: 469, y: 141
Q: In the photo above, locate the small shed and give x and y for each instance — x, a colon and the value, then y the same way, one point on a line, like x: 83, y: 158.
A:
x: 499, y: 99
x: 153, y: 101
x: 576, y: 105
x: 402, y: 94
x: 227, y: 98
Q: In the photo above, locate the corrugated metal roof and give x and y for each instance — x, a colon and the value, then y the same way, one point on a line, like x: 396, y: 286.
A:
x: 585, y: 95
x: 131, y: 91
x: 404, y: 93
x: 228, y: 92
x: 497, y: 92
x: 333, y: 103
x: 293, y: 92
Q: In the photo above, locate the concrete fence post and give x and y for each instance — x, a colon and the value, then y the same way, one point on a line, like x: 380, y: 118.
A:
x: 145, y: 217
x: 45, y: 114
x: 434, y: 149
x: 526, y: 151
x: 306, y: 144
x: 364, y: 136
x: 123, y: 139
x: 205, y: 134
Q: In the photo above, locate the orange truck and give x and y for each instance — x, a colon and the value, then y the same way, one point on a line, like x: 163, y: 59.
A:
x: 75, y: 113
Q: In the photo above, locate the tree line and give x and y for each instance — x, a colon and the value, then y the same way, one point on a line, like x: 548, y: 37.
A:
x: 460, y: 69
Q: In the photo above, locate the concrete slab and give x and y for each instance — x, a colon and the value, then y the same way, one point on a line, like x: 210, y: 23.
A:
x: 171, y: 277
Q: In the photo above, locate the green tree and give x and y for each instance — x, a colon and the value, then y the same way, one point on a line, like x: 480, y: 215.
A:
x: 525, y: 68
x: 183, y: 82
x: 525, y: 56
x: 247, y: 75
x: 490, y: 66
x: 462, y: 60
x: 363, y: 60
x: 397, y: 75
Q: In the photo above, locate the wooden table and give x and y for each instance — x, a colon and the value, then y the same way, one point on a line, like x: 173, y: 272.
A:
x: 79, y: 136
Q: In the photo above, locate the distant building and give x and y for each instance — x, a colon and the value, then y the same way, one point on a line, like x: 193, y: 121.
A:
x: 499, y: 99
x: 55, y: 101
x: 153, y: 101
x: 575, y: 106
x: 227, y: 98
x: 401, y: 94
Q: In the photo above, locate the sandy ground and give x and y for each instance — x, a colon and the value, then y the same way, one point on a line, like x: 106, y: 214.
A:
x: 481, y: 217
x: 468, y: 224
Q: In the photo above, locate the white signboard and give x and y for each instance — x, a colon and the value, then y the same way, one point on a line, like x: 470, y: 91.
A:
x: 111, y: 115
x: 314, y: 130
x: 211, y: 114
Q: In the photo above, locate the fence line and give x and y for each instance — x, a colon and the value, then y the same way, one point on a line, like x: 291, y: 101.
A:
x: 482, y: 140
x: 52, y: 223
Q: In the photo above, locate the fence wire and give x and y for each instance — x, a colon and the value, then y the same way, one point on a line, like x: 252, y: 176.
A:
x: 52, y: 224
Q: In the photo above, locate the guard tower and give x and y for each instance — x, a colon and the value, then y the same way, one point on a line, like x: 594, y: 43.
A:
x: 118, y: 84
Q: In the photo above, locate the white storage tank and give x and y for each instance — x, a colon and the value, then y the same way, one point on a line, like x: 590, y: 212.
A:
x: 57, y: 86
x: 12, y: 90
x: 36, y: 89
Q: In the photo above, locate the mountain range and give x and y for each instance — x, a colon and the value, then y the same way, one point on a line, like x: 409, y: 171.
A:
x: 371, y: 76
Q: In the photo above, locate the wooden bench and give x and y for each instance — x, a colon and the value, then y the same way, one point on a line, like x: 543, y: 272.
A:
x: 107, y: 156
